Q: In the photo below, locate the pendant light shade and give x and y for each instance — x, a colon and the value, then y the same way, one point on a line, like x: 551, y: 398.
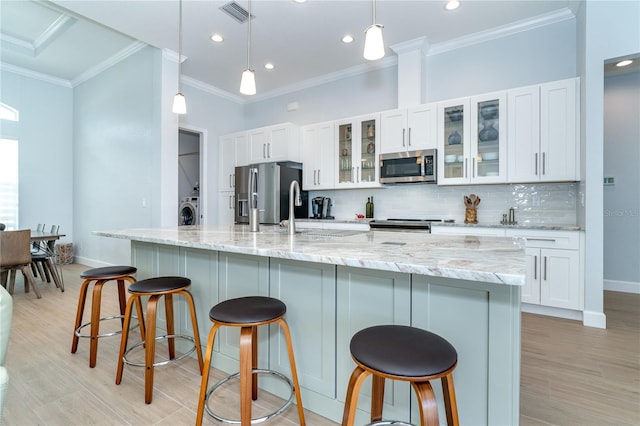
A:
x: 248, y: 81
x: 179, y: 102
x: 373, y: 42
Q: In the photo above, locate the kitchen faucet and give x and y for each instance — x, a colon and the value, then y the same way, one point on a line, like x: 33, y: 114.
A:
x: 294, y: 198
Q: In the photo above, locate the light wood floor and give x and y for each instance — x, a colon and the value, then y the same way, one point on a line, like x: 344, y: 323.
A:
x: 571, y: 375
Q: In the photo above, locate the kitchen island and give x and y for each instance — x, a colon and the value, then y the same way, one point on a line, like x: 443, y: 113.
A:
x: 336, y: 282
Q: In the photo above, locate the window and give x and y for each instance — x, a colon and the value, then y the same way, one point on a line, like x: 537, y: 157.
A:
x: 9, y: 183
x: 8, y: 113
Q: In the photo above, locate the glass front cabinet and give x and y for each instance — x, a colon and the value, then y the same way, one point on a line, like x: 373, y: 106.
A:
x: 472, y: 140
x: 357, y: 151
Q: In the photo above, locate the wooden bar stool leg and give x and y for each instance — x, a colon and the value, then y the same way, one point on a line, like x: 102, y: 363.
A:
x: 450, y: 404
x: 194, y: 322
x: 377, y: 398
x: 246, y: 344
x: 427, y: 403
x: 82, y: 298
x: 254, y: 362
x: 353, y: 390
x: 125, y: 335
x: 122, y: 299
x: 205, y: 373
x: 150, y: 346
x: 140, y: 312
x: 168, y: 307
x: 294, y: 371
x: 95, y: 322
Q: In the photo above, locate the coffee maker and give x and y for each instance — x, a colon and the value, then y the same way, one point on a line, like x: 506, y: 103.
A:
x: 321, y: 208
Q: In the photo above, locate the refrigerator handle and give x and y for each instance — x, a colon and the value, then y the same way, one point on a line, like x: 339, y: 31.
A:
x: 253, y: 188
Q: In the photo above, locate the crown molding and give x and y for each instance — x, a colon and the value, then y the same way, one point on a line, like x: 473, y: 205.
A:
x: 172, y: 56
x: 420, y: 43
x: 197, y: 84
x: 503, y: 31
x: 35, y: 75
x: 108, y: 63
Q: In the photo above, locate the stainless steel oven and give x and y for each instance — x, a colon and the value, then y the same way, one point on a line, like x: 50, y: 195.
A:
x: 409, y: 167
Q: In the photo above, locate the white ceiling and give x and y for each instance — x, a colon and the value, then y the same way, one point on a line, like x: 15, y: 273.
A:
x: 67, y: 38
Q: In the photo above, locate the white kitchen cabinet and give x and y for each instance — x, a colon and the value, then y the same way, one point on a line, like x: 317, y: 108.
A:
x: 280, y: 142
x: 471, y: 140
x: 318, y: 156
x: 357, y: 147
x: 553, y: 274
x: 226, y: 200
x: 232, y: 152
x: 543, y: 132
x: 410, y: 129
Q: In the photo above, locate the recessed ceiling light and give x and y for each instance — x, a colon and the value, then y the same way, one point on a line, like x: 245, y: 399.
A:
x: 217, y: 38
x: 269, y: 66
x: 347, y: 39
x: 300, y: 1
x: 624, y: 63
x: 452, y: 5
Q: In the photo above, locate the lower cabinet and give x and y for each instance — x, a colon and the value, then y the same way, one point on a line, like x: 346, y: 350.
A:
x: 226, y: 210
x: 366, y: 298
x: 309, y: 291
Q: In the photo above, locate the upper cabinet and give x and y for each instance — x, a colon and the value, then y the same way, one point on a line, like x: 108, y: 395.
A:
x: 543, y: 132
x: 410, y: 129
x: 357, y: 149
x: 318, y: 156
x: 453, y: 142
x: 274, y: 143
x: 233, y: 152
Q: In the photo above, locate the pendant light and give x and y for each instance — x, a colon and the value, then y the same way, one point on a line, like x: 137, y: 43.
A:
x: 248, y: 81
x: 373, y: 43
x: 179, y: 103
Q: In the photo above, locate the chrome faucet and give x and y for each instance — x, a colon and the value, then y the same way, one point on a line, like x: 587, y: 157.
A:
x: 294, y: 198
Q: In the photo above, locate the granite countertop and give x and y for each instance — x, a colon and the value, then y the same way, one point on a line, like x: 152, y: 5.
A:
x: 518, y: 226
x: 488, y: 259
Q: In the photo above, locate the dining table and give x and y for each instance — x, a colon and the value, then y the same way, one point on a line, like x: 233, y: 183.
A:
x: 46, y: 237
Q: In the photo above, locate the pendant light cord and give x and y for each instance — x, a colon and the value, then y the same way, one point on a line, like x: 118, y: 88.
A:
x: 249, y: 39
x: 180, y: 47
x: 374, y: 12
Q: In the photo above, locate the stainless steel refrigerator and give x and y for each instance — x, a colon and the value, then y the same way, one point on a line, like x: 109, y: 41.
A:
x: 271, y: 190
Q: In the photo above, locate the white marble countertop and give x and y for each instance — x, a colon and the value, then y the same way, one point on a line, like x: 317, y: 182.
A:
x: 517, y: 226
x: 489, y: 259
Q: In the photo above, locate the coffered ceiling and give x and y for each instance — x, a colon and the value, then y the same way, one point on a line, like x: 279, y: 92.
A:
x: 69, y: 39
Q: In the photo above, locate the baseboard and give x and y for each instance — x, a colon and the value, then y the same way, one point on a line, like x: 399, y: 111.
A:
x: 622, y: 286
x: 594, y: 319
x: 551, y: 312
x: 90, y: 262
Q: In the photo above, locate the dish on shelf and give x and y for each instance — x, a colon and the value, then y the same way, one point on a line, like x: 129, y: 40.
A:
x: 455, y: 114
x: 451, y: 158
x: 460, y: 158
x: 490, y: 156
x: 491, y: 174
x: 489, y: 111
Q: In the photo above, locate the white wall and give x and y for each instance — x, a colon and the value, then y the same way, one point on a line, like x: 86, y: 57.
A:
x: 622, y: 200
x: 45, y: 134
x: 117, y: 149
x: 611, y: 29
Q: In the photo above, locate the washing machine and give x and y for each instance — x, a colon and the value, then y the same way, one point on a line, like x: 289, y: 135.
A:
x: 189, y: 213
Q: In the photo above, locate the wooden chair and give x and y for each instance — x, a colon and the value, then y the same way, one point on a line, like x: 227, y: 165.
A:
x: 15, y: 254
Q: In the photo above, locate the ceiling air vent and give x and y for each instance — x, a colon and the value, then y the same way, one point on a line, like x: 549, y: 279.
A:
x: 236, y: 11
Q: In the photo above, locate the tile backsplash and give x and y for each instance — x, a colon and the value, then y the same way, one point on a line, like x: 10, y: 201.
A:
x: 534, y: 204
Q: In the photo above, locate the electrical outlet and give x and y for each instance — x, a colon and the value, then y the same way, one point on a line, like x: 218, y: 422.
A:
x: 609, y: 180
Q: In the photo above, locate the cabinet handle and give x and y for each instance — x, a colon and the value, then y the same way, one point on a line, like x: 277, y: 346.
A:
x: 465, y: 167
x: 409, y: 138
x: 473, y: 167
x: 358, y: 173
x: 315, y: 172
x: 545, y: 268
x: 264, y: 150
x: 230, y: 206
x: 535, y: 267
x: 544, y: 158
x: 403, y: 132
x: 318, y: 176
x: 552, y: 240
x: 269, y: 150
x: 536, y: 168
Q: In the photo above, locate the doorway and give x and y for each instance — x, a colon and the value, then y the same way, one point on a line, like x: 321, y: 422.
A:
x: 190, y: 177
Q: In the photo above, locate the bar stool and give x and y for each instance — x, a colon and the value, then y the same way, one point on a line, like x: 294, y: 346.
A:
x: 402, y: 353
x: 155, y: 288
x: 248, y: 313
x: 99, y: 277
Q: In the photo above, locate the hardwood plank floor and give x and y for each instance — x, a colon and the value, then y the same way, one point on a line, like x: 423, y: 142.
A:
x: 571, y: 375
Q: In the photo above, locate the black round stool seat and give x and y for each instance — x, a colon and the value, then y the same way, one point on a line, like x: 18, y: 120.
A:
x: 247, y: 310
x: 159, y: 284
x: 402, y: 351
x: 108, y: 272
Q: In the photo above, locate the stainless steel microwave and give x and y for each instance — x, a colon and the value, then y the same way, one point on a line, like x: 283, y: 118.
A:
x: 409, y: 166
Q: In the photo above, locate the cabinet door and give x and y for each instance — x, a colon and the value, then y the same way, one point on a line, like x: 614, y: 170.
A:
x: 258, y: 140
x: 560, y: 279
x: 488, y: 140
x: 366, y: 298
x: 524, y: 134
x: 278, y: 144
x: 308, y: 290
x: 242, y: 149
x: 422, y: 127
x: 453, y: 142
x: 310, y: 158
x: 531, y: 289
x: 226, y: 208
x: 558, y: 131
x: 326, y: 148
x: 367, y: 162
x: 227, y: 163
x: 344, y: 153
x: 393, y: 131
